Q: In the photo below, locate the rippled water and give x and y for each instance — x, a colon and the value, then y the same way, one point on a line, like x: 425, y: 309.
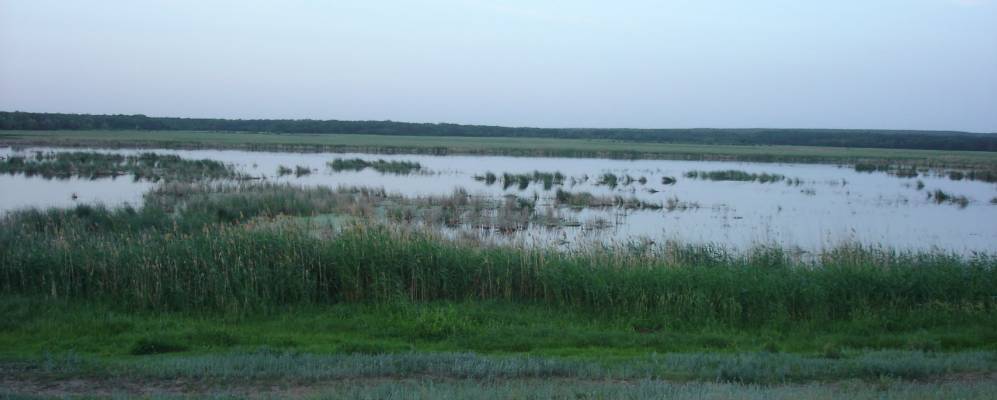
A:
x: 833, y: 205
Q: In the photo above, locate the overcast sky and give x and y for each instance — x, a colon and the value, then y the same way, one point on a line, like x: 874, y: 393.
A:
x: 905, y: 64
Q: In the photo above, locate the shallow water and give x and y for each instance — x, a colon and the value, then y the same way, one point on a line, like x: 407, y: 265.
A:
x: 833, y: 205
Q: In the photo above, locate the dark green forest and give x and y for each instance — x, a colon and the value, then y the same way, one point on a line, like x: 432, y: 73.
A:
x: 871, y: 138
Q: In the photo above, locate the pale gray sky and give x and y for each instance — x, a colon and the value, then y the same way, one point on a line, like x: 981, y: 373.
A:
x: 905, y: 64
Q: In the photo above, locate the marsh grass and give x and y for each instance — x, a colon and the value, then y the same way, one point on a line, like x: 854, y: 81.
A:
x: 523, y: 181
x: 939, y: 196
x: 380, y: 165
x: 673, y: 203
x: 94, y: 165
x: 612, y: 180
x: 734, y: 175
x: 194, y: 251
x: 588, y: 200
x: 488, y: 178
x: 300, y: 171
x: 984, y: 173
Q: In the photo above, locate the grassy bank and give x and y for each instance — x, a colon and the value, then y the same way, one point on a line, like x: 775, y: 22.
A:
x: 442, y: 145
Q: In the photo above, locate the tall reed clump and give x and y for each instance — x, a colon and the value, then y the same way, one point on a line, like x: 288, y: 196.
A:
x: 114, y: 257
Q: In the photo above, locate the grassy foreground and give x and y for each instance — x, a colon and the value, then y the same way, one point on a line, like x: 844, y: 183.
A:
x: 237, y: 290
x: 497, y: 146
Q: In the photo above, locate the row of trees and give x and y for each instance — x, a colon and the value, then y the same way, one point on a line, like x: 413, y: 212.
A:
x: 940, y: 140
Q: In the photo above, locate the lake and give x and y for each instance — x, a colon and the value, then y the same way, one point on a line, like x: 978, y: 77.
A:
x: 814, y: 207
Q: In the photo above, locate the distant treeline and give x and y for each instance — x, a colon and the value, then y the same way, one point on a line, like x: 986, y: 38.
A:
x: 893, y: 139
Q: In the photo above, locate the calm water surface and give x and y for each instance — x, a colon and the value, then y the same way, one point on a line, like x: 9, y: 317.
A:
x: 833, y: 205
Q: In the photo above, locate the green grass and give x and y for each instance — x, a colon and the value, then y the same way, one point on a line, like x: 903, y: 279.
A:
x: 487, y: 327
x: 504, y: 146
x: 48, y: 341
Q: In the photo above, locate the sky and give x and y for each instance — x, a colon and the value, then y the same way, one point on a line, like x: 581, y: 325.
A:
x: 883, y: 64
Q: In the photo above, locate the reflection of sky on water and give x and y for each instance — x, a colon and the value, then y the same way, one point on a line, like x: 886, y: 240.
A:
x: 871, y: 208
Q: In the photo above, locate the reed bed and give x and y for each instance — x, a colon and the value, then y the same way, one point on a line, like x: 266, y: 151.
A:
x: 588, y: 200
x: 190, y: 255
x: 93, y: 165
x: 735, y: 175
x: 380, y: 165
x: 984, y: 173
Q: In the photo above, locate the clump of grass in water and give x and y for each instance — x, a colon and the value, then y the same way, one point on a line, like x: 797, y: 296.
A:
x: 608, y: 179
x: 612, y: 180
x: 488, y: 178
x: 939, y: 196
x: 284, y: 171
x: 380, y: 165
x: 668, y: 180
x: 300, y: 171
x: 588, y: 200
x: 523, y: 181
x: 734, y: 175
x: 93, y: 165
x: 673, y: 203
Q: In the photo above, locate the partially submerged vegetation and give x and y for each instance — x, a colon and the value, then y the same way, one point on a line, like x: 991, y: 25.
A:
x: 94, y: 165
x: 588, y: 200
x: 985, y: 173
x: 380, y: 165
x: 523, y: 181
x: 735, y: 175
x: 613, y: 180
x: 939, y: 196
x: 898, y: 170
